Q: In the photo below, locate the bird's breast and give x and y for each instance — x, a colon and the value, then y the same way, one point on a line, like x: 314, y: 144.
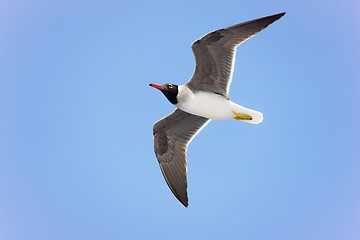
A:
x: 205, y: 104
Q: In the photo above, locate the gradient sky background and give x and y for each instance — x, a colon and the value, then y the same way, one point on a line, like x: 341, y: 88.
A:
x: 76, y: 116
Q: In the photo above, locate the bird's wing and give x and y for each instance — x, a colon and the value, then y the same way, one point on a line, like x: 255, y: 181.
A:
x: 215, y: 54
x: 172, y: 135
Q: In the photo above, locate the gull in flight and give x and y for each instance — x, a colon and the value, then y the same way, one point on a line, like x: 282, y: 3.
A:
x: 205, y: 97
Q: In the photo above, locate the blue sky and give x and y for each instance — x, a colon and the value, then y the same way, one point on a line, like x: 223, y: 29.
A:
x: 76, y: 116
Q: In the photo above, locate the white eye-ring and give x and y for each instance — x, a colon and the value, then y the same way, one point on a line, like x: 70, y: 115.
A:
x: 170, y: 86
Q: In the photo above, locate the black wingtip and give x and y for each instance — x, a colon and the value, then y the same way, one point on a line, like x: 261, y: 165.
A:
x: 185, y: 204
x: 271, y: 18
x: 282, y: 14
x: 184, y: 201
x: 278, y: 15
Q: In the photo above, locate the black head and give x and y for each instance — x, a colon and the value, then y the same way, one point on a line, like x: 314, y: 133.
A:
x: 169, y: 90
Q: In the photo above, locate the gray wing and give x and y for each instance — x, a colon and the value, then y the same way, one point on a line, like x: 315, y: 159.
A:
x: 172, y: 135
x: 215, y: 54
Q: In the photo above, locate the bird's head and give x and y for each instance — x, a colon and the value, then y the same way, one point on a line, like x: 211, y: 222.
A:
x: 169, y: 90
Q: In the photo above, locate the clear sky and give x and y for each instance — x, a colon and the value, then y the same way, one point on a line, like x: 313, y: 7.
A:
x: 76, y: 116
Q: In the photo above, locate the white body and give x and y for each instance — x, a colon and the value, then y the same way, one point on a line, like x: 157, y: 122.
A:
x: 212, y: 106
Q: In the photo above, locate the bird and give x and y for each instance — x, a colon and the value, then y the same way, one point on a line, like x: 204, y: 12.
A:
x: 203, y: 98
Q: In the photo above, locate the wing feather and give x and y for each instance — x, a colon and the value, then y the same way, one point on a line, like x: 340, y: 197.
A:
x: 215, y: 54
x: 172, y: 135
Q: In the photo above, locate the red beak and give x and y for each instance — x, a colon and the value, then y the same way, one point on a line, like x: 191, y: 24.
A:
x: 156, y: 86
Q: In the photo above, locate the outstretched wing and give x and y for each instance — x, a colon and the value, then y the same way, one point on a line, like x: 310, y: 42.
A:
x: 215, y: 54
x: 172, y: 135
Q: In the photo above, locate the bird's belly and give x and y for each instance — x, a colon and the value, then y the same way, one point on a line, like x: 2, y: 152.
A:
x: 209, y: 105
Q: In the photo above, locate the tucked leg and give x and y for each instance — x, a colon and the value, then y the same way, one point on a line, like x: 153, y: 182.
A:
x: 241, y: 116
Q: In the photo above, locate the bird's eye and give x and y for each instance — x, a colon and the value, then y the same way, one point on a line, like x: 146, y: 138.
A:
x: 170, y: 86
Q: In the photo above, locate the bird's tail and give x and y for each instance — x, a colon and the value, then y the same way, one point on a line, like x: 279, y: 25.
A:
x: 257, y: 117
